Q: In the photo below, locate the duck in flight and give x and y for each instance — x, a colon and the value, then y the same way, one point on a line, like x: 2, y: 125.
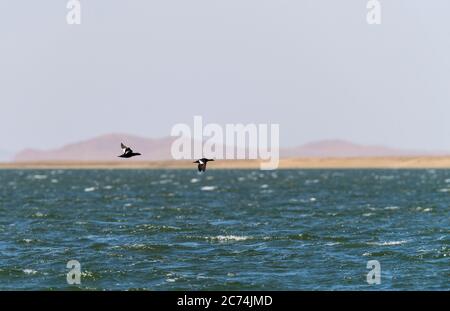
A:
x: 202, y: 164
x: 127, y: 152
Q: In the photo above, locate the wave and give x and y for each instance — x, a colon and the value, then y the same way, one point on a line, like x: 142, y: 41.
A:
x: 444, y: 190
x: 391, y: 208
x: 156, y: 228
x: 425, y: 210
x: 388, y: 243
x: 39, y: 215
x: 228, y: 238
x: 38, y: 177
x: 208, y: 188
x: 29, y: 271
x: 144, y: 247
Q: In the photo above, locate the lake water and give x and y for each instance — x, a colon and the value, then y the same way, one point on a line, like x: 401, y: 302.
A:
x: 225, y: 229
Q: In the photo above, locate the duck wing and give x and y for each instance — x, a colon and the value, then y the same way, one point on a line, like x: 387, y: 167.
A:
x: 125, y: 149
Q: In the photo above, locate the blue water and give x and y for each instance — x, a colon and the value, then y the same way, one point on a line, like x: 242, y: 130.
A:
x: 225, y: 230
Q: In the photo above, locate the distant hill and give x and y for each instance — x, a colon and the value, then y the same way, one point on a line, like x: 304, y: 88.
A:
x: 102, y: 148
x: 341, y: 148
x: 107, y: 148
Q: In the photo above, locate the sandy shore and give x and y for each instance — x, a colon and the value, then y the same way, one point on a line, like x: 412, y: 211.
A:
x: 295, y: 163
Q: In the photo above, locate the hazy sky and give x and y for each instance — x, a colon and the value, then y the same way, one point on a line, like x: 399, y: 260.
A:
x: 140, y: 66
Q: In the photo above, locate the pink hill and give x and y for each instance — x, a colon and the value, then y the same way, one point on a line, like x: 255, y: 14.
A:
x: 107, y: 148
x: 341, y: 148
x: 102, y: 148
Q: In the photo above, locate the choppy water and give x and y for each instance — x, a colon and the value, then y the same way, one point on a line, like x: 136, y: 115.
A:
x: 225, y: 230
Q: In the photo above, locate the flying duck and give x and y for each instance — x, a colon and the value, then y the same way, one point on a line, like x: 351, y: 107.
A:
x: 202, y: 164
x: 127, y: 152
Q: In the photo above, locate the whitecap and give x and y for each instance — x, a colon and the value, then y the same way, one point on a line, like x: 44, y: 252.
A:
x: 264, y: 186
x: 89, y: 189
x: 224, y: 238
x: 208, y: 188
x: 87, y: 274
x: 29, y: 271
x: 39, y: 177
x: 311, y: 181
x: 388, y: 243
x: 391, y: 208
x: 194, y: 180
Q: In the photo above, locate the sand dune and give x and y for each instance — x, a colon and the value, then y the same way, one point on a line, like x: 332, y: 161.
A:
x: 99, y: 149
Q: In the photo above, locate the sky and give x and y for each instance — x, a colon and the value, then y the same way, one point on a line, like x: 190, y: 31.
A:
x: 314, y: 67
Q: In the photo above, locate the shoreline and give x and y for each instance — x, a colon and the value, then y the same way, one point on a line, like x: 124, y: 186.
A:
x: 425, y: 162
